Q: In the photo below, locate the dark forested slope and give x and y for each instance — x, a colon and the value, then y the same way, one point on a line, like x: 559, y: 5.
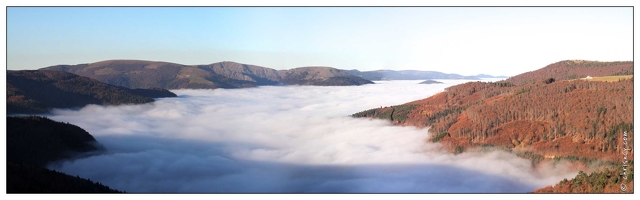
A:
x: 29, y: 179
x: 32, y: 143
x: 38, y: 140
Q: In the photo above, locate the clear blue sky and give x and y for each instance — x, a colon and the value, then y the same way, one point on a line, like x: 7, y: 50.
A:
x: 463, y: 40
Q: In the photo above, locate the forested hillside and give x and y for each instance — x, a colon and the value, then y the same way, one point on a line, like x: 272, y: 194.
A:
x: 29, y: 179
x: 580, y: 121
x: 37, y: 91
x: 37, y: 141
x: 578, y: 118
x: 605, y: 181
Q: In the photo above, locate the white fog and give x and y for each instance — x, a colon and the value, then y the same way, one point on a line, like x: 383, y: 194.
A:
x: 286, y: 139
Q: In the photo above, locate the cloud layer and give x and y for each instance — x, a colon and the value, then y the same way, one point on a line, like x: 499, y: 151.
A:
x: 287, y: 139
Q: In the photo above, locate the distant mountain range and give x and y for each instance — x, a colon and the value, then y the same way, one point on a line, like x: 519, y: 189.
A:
x: 379, y: 75
x: 147, y: 74
x: 138, y: 81
x: 37, y: 91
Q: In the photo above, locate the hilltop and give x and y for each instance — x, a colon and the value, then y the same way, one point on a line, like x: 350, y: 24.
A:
x: 146, y: 74
x: 574, y: 69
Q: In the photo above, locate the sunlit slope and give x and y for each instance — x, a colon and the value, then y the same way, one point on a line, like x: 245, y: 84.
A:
x: 578, y: 119
x: 548, y: 119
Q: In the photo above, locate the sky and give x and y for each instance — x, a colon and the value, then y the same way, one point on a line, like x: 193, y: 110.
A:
x: 293, y: 139
x: 463, y: 40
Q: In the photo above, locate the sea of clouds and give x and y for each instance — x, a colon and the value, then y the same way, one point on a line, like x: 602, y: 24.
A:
x: 286, y: 139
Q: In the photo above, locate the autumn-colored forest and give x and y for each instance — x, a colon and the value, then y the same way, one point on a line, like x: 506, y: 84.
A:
x: 548, y: 119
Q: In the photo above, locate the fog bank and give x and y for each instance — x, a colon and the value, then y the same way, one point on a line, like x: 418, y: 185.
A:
x: 286, y: 139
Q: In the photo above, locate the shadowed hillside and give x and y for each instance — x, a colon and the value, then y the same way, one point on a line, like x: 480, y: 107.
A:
x: 37, y: 91
x: 29, y: 179
x: 32, y: 143
x: 37, y: 141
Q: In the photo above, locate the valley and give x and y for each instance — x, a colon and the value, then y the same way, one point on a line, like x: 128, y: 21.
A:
x: 555, y: 123
x: 335, y: 99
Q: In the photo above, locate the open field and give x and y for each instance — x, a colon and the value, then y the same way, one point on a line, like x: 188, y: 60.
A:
x: 608, y: 78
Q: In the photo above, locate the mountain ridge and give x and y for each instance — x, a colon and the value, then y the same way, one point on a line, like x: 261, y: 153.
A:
x: 226, y: 74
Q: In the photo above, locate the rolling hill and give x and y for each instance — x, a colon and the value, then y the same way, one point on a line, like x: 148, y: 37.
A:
x: 544, y: 120
x: 37, y: 91
x: 146, y: 74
